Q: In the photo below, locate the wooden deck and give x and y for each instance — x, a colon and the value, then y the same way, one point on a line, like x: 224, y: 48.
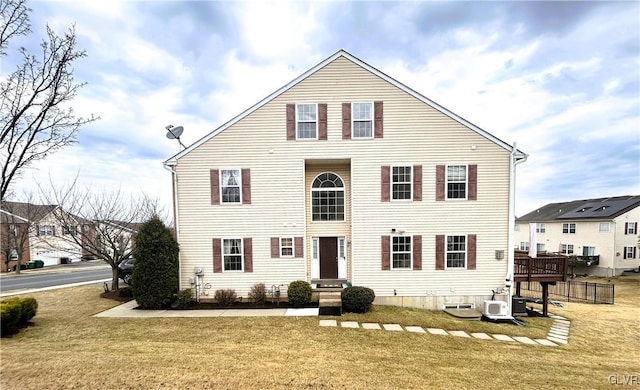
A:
x: 546, y: 267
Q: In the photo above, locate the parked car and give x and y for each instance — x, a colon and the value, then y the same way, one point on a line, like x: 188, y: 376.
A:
x: 125, y: 270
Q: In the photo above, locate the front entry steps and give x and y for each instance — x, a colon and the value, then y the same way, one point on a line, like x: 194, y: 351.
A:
x: 330, y: 303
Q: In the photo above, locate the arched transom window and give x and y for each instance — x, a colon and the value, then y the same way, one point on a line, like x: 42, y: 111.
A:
x: 327, y: 198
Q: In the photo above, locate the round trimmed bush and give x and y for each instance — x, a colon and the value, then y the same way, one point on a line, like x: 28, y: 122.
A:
x: 357, y: 299
x: 29, y: 309
x: 10, y: 313
x: 299, y: 293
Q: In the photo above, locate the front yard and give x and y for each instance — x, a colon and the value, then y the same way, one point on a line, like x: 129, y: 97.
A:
x: 68, y: 348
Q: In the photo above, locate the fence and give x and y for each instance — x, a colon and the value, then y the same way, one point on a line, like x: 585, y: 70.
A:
x: 573, y: 291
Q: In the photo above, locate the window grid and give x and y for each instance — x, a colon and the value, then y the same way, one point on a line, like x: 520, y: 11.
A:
x: 401, y: 252
x: 567, y: 249
x: 588, y: 251
x: 631, y: 228
x: 230, y: 185
x: 603, y: 227
x: 456, y: 181
x: 362, y: 120
x: 629, y: 252
x: 568, y: 228
x: 286, y: 247
x: 541, y: 228
x: 327, y: 198
x: 401, y: 183
x: 45, y: 230
x: 457, y: 251
x: 540, y: 247
x: 524, y: 246
x: 307, y: 121
x: 232, y: 254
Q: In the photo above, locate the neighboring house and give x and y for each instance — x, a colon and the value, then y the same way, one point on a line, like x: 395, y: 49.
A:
x: 36, y: 229
x: 116, y: 236
x: 601, y: 235
x: 345, y: 174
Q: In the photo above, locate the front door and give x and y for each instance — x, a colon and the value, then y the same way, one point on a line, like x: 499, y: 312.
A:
x: 328, y: 257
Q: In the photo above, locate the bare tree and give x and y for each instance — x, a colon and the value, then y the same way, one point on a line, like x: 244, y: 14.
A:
x: 36, y: 118
x: 102, y: 224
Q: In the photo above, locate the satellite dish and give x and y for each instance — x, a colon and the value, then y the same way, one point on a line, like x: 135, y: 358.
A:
x: 174, y: 132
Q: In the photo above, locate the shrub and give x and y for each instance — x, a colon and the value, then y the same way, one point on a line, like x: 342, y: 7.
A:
x: 183, y: 298
x: 258, y: 293
x: 155, y: 276
x: 226, y: 297
x: 357, y: 299
x: 29, y: 309
x: 125, y: 292
x: 299, y: 293
x: 16, y: 312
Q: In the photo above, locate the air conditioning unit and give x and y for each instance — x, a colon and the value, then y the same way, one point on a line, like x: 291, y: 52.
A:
x: 495, y: 309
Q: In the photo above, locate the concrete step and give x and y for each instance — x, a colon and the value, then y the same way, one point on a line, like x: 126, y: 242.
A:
x: 329, y: 302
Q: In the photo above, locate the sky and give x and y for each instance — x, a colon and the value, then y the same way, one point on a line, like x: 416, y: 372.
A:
x: 562, y: 79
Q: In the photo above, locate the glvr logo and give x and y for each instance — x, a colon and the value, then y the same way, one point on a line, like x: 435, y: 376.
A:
x: 624, y: 379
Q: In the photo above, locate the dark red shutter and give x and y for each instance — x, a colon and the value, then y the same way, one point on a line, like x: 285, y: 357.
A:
x: 378, y: 119
x: 298, y: 247
x: 386, y: 253
x: 346, y: 120
x: 635, y: 227
x: 440, y: 251
x: 473, y: 182
x: 417, y: 253
x: 322, y: 121
x: 385, y: 183
x: 624, y: 252
x: 439, y: 182
x: 246, y: 186
x: 626, y: 227
x: 275, y: 247
x: 291, y: 122
x: 248, y: 255
x: 37, y: 230
x: 417, y: 183
x: 214, y: 176
x: 217, y: 255
x: 634, y: 250
x: 471, y: 251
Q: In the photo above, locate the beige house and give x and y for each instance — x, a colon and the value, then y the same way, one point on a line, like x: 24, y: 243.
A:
x: 346, y: 175
x: 600, y: 234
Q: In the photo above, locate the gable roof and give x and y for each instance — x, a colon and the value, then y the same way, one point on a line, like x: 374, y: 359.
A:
x: 342, y: 53
x: 11, y: 212
x: 599, y: 208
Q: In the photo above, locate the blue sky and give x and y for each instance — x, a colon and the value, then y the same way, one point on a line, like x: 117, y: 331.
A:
x: 561, y: 79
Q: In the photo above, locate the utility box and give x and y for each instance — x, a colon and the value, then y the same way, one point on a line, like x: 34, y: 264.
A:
x: 518, y: 306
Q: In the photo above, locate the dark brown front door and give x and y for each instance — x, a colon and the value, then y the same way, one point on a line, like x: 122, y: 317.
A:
x: 328, y: 257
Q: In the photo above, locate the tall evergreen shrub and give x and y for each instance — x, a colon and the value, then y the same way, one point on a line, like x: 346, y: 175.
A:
x: 155, y: 274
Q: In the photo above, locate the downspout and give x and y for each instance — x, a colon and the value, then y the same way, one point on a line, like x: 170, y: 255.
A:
x: 509, y: 279
x: 174, y: 191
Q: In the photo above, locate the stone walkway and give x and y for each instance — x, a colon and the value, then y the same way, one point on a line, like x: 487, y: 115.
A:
x: 558, y: 333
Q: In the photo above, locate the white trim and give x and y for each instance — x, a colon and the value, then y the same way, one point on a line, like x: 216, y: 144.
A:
x: 342, y: 260
x: 344, y: 198
x: 466, y: 250
x: 391, y: 182
x: 223, y: 254
x: 316, y: 122
x: 391, y: 267
x: 293, y: 247
x: 239, y: 185
x: 353, y: 121
x: 601, y: 224
x: 517, y: 154
x: 315, y: 257
x: 466, y: 182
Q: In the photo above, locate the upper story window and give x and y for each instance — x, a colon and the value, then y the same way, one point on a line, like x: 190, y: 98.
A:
x: 307, y: 121
x: 69, y: 229
x: 327, y: 198
x: 13, y: 230
x: 541, y: 228
x: 45, y: 230
x: 456, y: 182
x: 401, y: 183
x: 457, y: 251
x: 232, y: 254
x: 230, y: 181
x: 401, y: 252
x: 603, y: 227
x: 568, y: 228
x: 630, y: 228
x: 362, y: 115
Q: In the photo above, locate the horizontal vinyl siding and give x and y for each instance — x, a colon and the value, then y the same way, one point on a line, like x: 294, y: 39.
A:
x: 414, y: 134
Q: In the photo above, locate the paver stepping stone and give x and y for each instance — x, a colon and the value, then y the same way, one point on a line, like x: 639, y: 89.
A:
x: 415, y: 329
x: 349, y: 324
x: 368, y: 325
x: 328, y: 323
x: 557, y: 340
x: 559, y: 331
x: 458, y: 333
x: 524, y: 340
x: 394, y: 327
x: 302, y: 312
x: 437, y: 331
x: 502, y: 337
x: 546, y: 342
x: 482, y: 336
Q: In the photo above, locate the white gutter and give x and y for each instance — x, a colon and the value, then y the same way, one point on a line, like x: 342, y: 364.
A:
x: 509, y: 279
x: 174, y: 190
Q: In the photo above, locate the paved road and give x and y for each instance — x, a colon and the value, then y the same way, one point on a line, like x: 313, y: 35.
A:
x: 46, y: 278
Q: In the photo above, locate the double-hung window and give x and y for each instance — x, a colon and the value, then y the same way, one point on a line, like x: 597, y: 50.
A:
x: 230, y: 181
x: 401, y: 252
x: 524, y: 246
x: 307, y: 121
x: 362, y: 116
x: 457, y: 251
x: 232, y: 254
x: 401, y: 183
x: 541, y: 228
x: 567, y: 249
x: 69, y: 229
x: 568, y: 228
x: 456, y: 182
x: 631, y: 228
x: 603, y: 227
x: 45, y: 230
x: 286, y: 246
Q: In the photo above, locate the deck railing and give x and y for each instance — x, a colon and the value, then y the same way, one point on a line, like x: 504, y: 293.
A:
x: 547, y: 268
